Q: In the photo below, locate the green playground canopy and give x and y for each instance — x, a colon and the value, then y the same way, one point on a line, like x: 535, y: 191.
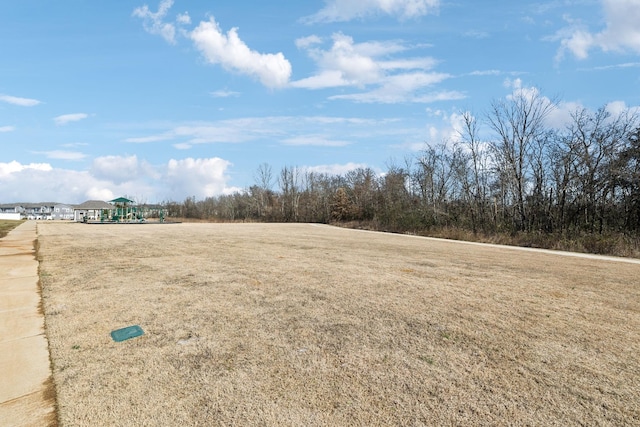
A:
x: 122, y: 200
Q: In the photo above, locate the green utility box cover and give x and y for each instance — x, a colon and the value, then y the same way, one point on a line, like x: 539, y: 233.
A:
x: 126, y: 333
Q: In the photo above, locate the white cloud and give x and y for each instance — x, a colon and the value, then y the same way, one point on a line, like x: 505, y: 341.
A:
x: 559, y: 112
x: 22, y: 102
x: 512, y: 83
x: 618, y: 66
x: 150, y: 138
x: 307, y: 42
x: 62, y: 154
x: 485, y: 73
x: 98, y: 193
x: 223, y: 131
x: 621, y: 33
x: 475, y: 34
x: 335, y: 169
x: 444, y: 127
x: 622, y: 25
x: 349, y: 63
x: 560, y: 116
x: 112, y: 176
x: 183, y: 18
x: 292, y: 130
x: 182, y: 146
x: 68, y: 118
x: 153, y: 21
x: 74, y: 144
x: 228, y: 50
x: 408, y: 64
x: 324, y: 79
x: 196, y: 177
x: 315, y: 140
x: 346, y: 10
x: 230, y: 132
x: 615, y: 108
x: 405, y: 88
x: 37, y: 182
x: 116, y: 169
x: 578, y: 43
x: 224, y: 93
x: 528, y: 93
x: 8, y: 169
x: 370, y: 66
x: 7, y: 129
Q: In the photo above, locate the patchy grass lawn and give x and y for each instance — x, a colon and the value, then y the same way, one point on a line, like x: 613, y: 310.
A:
x: 302, y: 325
x: 6, y: 225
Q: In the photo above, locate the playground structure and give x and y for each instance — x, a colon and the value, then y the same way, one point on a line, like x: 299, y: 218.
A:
x: 122, y: 210
x: 126, y: 210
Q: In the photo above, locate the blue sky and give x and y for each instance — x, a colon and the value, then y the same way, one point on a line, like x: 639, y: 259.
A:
x: 166, y: 99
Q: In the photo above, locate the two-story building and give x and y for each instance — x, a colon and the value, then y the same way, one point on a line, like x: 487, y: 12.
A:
x: 29, y: 210
x: 62, y: 211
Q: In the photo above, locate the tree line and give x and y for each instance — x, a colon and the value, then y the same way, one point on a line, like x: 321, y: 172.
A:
x: 507, y: 172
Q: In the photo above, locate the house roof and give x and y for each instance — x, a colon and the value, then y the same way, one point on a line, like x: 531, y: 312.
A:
x: 93, y: 204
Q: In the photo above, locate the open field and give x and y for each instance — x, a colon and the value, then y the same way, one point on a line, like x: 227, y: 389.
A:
x: 292, y: 325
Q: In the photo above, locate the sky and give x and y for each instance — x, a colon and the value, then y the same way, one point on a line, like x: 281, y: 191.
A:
x: 166, y: 99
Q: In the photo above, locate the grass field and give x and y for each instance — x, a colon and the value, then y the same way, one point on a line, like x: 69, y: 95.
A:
x: 7, y: 225
x: 303, y: 325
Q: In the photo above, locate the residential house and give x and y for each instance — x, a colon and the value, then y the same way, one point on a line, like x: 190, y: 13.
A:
x: 29, y: 210
x: 62, y: 211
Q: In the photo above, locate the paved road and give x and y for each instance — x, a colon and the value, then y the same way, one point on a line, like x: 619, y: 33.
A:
x: 27, y: 396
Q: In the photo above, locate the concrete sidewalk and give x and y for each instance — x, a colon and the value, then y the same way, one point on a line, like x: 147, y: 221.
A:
x: 27, y: 393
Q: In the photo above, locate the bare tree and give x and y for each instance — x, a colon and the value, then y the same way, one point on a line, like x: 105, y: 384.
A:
x: 596, y: 140
x: 473, y: 170
x: 627, y: 169
x: 363, y: 183
x: 262, y: 190
x: 264, y: 176
x: 290, y: 183
x: 394, y: 197
x: 518, y: 123
x: 434, y: 177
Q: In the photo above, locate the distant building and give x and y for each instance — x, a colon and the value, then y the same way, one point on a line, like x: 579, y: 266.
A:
x: 92, y: 210
x: 121, y: 209
x: 29, y: 210
x: 62, y: 211
x: 10, y: 208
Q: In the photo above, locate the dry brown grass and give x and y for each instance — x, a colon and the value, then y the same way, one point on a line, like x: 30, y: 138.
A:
x: 301, y: 325
x: 6, y: 225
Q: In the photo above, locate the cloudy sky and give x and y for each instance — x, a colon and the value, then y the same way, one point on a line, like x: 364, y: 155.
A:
x: 164, y: 99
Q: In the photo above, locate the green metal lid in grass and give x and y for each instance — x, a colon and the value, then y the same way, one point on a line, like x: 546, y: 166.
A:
x: 126, y: 333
